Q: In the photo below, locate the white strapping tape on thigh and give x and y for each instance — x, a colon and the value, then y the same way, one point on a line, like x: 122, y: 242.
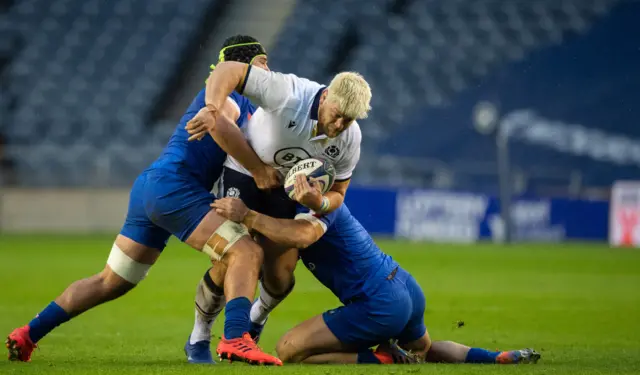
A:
x: 223, y: 238
x: 125, y: 267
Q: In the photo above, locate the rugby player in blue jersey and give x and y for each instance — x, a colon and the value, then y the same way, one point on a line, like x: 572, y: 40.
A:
x: 172, y: 197
x: 383, y: 303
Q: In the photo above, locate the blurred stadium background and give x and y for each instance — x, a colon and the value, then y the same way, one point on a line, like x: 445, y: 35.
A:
x: 90, y: 91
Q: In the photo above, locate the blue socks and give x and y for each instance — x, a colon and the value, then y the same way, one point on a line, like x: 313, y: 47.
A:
x: 236, y: 317
x: 48, y: 319
x: 477, y: 355
x: 367, y: 356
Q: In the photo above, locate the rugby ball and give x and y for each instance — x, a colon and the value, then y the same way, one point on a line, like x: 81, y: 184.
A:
x: 319, y: 169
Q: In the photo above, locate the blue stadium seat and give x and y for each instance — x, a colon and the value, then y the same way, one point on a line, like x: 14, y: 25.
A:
x: 88, y: 71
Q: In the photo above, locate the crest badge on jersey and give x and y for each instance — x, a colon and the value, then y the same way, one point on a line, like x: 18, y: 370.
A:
x: 233, y: 192
x: 332, y: 151
x: 312, y: 266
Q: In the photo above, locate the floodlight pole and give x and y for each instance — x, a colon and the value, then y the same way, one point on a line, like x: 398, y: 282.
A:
x: 486, y: 120
x: 505, y: 181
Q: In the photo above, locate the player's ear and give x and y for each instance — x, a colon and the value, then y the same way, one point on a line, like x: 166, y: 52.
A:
x: 323, y: 96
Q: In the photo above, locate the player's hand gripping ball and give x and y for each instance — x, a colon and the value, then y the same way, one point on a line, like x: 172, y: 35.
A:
x: 320, y: 170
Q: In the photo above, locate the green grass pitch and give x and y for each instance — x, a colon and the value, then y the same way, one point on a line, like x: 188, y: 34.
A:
x: 578, y: 304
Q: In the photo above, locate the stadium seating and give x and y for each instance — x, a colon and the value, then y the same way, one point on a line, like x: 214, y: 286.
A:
x: 424, y: 61
x: 586, y: 81
x: 86, y: 77
x: 81, y: 79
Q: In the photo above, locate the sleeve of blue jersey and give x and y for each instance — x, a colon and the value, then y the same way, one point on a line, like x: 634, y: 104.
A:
x: 327, y: 219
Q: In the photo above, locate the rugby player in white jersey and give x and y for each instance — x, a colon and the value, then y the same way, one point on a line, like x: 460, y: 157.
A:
x: 297, y: 119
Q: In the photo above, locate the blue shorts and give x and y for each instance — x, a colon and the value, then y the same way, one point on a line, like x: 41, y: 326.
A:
x: 396, y: 311
x: 163, y: 203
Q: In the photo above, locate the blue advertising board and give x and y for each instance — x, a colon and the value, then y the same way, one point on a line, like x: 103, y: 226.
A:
x: 447, y: 216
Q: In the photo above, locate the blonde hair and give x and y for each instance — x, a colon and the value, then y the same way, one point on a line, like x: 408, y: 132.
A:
x: 351, y: 92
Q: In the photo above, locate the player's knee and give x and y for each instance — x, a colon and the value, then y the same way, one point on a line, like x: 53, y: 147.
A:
x: 249, y: 251
x: 424, y: 346
x: 232, y: 240
x: 288, y: 351
x: 420, y: 346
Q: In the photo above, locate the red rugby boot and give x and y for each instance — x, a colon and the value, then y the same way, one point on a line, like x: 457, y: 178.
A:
x: 20, y: 345
x: 246, y: 350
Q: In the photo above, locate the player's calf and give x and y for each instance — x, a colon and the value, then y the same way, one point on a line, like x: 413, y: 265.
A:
x: 209, y: 302
x: 453, y: 352
x: 229, y: 243
x: 243, y: 267
x: 276, y: 284
x: 128, y: 264
x: 312, y: 342
x: 279, y: 266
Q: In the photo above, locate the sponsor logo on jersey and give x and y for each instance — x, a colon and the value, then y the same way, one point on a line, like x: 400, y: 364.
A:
x: 288, y: 157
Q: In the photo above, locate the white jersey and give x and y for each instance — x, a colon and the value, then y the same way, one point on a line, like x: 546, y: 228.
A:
x: 283, y: 130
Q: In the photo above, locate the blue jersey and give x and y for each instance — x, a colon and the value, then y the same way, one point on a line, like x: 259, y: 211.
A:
x: 201, y: 159
x: 346, y: 259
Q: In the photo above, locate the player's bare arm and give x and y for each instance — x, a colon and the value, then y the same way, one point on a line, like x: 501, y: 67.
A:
x: 299, y: 233
x: 229, y: 111
x: 336, y: 195
x: 214, y: 119
x: 313, y: 199
x: 222, y: 81
x: 231, y: 140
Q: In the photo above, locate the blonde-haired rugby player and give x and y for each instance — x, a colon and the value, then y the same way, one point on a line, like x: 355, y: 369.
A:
x: 296, y: 119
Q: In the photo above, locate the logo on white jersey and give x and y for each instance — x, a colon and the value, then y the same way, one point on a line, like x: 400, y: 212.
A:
x: 288, y: 157
x: 233, y: 192
x: 332, y: 151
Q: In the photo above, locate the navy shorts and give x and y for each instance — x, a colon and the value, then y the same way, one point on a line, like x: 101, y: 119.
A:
x: 396, y: 311
x: 164, y: 203
x: 275, y: 203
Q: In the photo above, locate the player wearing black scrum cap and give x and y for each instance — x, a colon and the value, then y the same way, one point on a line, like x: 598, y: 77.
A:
x: 172, y: 197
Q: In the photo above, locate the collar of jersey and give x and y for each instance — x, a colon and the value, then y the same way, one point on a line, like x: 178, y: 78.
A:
x: 315, y: 137
x: 313, y: 115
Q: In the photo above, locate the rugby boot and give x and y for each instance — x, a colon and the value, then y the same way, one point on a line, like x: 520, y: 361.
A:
x: 390, y: 353
x: 20, y: 345
x: 200, y: 352
x: 518, y: 356
x: 246, y: 350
